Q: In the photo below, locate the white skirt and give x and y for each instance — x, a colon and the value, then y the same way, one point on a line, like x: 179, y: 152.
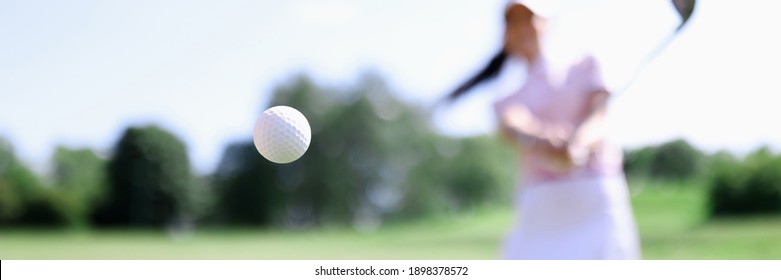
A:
x: 588, y: 218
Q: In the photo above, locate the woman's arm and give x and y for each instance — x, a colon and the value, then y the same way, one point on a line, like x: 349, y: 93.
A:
x: 518, y: 123
x: 593, y: 129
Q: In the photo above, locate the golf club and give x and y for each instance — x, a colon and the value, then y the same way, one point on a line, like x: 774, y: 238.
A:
x: 685, y: 8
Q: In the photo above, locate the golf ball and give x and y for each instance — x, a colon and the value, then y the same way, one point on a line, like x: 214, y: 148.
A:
x: 282, y: 134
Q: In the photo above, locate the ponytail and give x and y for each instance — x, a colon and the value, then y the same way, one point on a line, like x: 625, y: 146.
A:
x: 489, y: 72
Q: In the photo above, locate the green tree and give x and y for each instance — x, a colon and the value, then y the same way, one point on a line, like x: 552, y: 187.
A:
x: 751, y: 186
x: 23, y: 198
x: 372, y: 158
x: 637, y: 163
x: 15, y: 184
x: 149, y: 178
x: 677, y: 159
x: 79, y: 178
x: 246, y: 187
x: 461, y: 174
x: 763, y: 185
x: 673, y: 160
x: 728, y: 177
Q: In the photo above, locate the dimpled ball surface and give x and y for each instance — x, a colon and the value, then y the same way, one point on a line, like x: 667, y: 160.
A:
x: 282, y: 134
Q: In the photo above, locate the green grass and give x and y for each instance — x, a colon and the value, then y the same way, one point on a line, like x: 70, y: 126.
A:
x: 672, y: 221
x: 673, y: 225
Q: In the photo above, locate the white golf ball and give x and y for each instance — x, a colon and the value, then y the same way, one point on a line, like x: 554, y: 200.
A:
x: 282, y: 134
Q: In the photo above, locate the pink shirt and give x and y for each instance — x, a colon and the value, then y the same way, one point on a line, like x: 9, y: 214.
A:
x: 556, y: 98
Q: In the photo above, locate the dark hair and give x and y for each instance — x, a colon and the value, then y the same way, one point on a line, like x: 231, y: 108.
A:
x: 489, y: 72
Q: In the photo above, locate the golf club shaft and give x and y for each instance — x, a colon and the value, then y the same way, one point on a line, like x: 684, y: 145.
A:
x: 685, y: 8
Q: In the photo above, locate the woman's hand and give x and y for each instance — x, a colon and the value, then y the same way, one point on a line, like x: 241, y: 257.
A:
x: 551, y: 140
x: 559, y: 158
x: 518, y: 122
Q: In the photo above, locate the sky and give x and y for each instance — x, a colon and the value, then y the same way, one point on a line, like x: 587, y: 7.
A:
x: 77, y: 73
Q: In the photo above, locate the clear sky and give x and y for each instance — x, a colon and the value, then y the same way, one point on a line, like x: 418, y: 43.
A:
x: 79, y: 72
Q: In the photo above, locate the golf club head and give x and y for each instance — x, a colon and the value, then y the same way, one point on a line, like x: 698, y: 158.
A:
x: 685, y: 9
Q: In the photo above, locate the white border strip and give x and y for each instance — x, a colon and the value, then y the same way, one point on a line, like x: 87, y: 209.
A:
x: 254, y: 270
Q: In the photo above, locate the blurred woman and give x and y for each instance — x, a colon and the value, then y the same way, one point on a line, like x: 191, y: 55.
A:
x: 572, y: 199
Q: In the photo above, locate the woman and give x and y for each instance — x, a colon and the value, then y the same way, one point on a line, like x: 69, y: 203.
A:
x: 572, y: 200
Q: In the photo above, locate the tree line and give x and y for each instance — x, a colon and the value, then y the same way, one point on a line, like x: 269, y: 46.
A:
x: 373, y: 159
